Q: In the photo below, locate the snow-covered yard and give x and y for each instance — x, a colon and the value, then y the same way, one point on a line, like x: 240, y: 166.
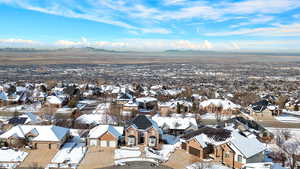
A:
x: 206, y: 166
x: 212, y: 116
x: 127, y: 153
x: 10, y: 158
x: 166, y: 149
x: 70, y: 155
x: 163, y: 154
x: 287, y: 118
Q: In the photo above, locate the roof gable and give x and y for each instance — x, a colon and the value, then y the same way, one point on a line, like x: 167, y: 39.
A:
x: 141, y: 122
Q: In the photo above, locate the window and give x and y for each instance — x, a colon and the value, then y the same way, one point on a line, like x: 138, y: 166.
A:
x: 131, y: 141
x: 152, y: 141
x: 226, y: 155
x: 240, y: 158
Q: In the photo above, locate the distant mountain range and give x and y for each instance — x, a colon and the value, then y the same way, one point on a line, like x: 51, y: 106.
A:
x: 53, y: 50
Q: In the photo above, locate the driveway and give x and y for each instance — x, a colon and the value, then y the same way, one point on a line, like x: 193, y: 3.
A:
x: 180, y: 159
x: 97, y: 158
x: 38, y: 158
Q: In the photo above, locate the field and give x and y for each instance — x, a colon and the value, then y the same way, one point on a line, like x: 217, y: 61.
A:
x: 92, y: 56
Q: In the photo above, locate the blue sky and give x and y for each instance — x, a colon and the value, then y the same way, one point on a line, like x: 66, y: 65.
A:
x: 152, y: 24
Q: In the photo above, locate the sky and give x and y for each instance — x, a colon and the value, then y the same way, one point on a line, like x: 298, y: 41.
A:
x: 270, y: 25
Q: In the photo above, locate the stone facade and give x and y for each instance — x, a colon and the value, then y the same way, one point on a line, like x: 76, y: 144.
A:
x: 142, y: 137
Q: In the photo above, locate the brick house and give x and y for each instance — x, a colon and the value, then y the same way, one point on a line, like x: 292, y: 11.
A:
x: 225, y: 146
x: 142, y: 131
x: 105, y: 136
x: 218, y: 106
x: 36, y: 136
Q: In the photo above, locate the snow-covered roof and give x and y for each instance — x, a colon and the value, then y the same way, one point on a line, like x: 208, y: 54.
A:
x: 247, y: 146
x: 3, y: 96
x: 175, y: 122
x: 31, y: 118
x: 65, y: 110
x: 225, y: 104
x: 131, y: 104
x: 45, y: 133
x: 98, y: 131
x: 54, y: 100
x: 11, y: 155
x: 146, y: 99
x: 96, y: 119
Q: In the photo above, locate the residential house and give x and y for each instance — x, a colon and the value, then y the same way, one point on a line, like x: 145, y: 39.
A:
x: 143, y: 131
x: 228, y: 147
x: 263, y: 108
x: 54, y: 101
x: 124, y: 98
x: 219, y: 106
x: 105, y: 136
x: 26, y: 118
x: 175, y: 125
x: 36, y: 136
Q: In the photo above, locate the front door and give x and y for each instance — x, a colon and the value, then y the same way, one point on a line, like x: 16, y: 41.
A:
x: 141, y: 138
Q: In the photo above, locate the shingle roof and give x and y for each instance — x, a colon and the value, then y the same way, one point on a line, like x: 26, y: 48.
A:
x: 141, y: 122
x: 217, y: 134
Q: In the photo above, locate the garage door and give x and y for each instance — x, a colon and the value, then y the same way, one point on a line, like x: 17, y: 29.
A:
x: 194, y: 151
x: 103, y: 143
x: 93, y: 142
x: 112, y: 144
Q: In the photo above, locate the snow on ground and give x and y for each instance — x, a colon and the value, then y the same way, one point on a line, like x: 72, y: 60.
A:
x: 163, y: 154
x: 102, y: 108
x: 22, y: 108
x: 70, y: 155
x: 268, y: 165
x: 170, y: 139
x: 124, y: 161
x: 88, y: 101
x: 10, y: 155
x: 206, y: 166
x: 296, y: 113
x: 212, y: 116
x: 286, y: 118
x: 127, y: 153
x: 294, y: 131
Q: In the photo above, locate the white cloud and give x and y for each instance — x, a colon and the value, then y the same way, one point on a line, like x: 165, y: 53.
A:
x: 297, y: 16
x: 174, y: 2
x: 18, y: 41
x: 261, y: 19
x: 261, y: 6
x: 235, y: 45
x: 207, y: 45
x: 279, y: 30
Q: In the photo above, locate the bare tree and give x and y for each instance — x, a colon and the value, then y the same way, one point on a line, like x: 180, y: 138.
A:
x: 289, y: 147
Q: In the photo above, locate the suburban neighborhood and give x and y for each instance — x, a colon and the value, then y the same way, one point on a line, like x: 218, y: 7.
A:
x: 55, y: 124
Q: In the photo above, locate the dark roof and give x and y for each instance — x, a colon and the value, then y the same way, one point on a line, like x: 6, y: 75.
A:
x: 17, y: 120
x: 262, y: 103
x: 141, y: 122
x: 218, y: 134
